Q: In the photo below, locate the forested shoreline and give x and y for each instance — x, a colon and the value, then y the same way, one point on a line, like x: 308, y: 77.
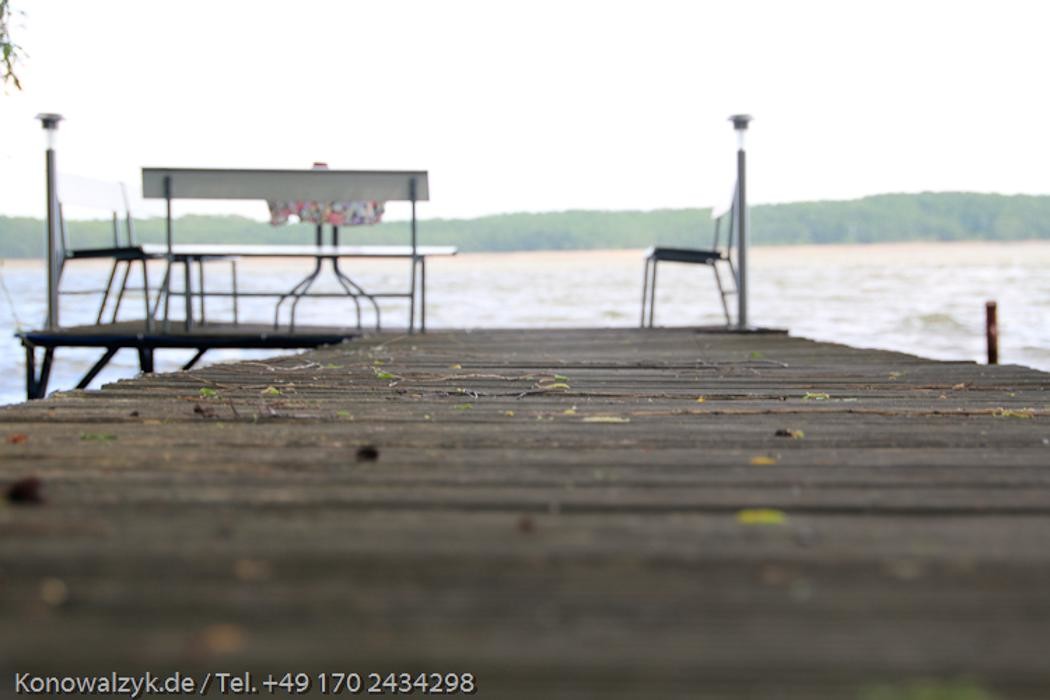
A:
x: 875, y: 219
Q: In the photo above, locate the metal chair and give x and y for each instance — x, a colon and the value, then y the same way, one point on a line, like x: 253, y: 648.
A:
x: 125, y: 250
x: 718, y: 254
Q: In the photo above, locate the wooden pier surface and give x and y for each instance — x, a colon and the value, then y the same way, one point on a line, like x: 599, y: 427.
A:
x: 611, y: 513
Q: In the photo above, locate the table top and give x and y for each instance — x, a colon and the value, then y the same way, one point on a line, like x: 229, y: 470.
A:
x: 301, y: 251
x: 322, y: 185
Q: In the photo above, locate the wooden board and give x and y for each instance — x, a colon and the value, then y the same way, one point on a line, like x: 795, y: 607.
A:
x: 555, y: 511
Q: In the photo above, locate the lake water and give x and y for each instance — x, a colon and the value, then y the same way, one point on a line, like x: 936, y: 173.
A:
x: 925, y: 299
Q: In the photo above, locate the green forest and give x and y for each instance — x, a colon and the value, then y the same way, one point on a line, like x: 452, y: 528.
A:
x: 876, y: 219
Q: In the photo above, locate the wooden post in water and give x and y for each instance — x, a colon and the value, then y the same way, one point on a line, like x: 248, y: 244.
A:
x: 991, y: 331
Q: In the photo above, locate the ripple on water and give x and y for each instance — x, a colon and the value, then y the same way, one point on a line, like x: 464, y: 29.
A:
x: 934, y: 322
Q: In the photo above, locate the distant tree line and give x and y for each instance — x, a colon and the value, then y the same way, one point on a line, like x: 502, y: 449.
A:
x: 877, y: 219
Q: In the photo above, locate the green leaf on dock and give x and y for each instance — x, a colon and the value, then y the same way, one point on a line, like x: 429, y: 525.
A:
x: 815, y: 396
x: 1013, y: 413
x: 380, y: 374
x: 463, y: 406
x: 756, y: 355
x: 98, y: 437
x: 562, y: 386
x: 208, y: 393
x: 761, y: 516
x: 927, y: 690
x: 271, y: 391
x: 560, y: 378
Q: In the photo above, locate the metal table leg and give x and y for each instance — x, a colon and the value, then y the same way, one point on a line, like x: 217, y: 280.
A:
x: 187, y: 280
x: 422, y: 295
x: 358, y: 291
x: 297, y: 291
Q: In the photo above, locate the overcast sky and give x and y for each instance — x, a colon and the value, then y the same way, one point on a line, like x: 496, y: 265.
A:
x: 539, y: 106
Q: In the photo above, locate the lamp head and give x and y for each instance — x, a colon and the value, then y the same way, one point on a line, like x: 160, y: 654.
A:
x: 740, y: 125
x: 49, y: 120
x: 740, y: 121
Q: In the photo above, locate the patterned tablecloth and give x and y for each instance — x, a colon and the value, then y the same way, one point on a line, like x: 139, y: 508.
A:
x: 334, y: 213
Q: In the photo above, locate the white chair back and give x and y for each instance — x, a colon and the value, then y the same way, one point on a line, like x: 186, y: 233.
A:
x: 75, y: 190
x: 724, y: 206
x: 78, y: 192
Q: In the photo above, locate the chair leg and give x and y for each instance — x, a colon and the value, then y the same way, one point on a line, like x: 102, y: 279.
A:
x: 162, y: 293
x: 120, y: 292
x: 652, y: 296
x: 106, y: 292
x: 145, y: 293
x: 645, y: 290
x: 721, y: 293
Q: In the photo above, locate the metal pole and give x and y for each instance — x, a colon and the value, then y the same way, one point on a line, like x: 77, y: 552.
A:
x: 52, y: 243
x: 412, y: 286
x: 165, y: 289
x: 740, y: 122
x: 50, y: 123
x: 742, y: 241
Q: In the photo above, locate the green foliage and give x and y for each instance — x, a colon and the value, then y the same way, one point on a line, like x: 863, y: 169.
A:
x: 947, y: 216
x: 9, y: 51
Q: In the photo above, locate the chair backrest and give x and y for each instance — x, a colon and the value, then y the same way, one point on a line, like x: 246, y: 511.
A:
x: 724, y: 215
x: 96, y: 195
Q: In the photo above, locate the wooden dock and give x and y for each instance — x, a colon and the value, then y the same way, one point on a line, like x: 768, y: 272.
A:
x: 601, y: 513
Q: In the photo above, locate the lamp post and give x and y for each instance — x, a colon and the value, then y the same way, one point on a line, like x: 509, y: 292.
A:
x: 50, y: 123
x: 740, y: 122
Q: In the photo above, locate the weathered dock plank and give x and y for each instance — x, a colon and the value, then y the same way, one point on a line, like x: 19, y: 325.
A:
x: 563, y: 513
